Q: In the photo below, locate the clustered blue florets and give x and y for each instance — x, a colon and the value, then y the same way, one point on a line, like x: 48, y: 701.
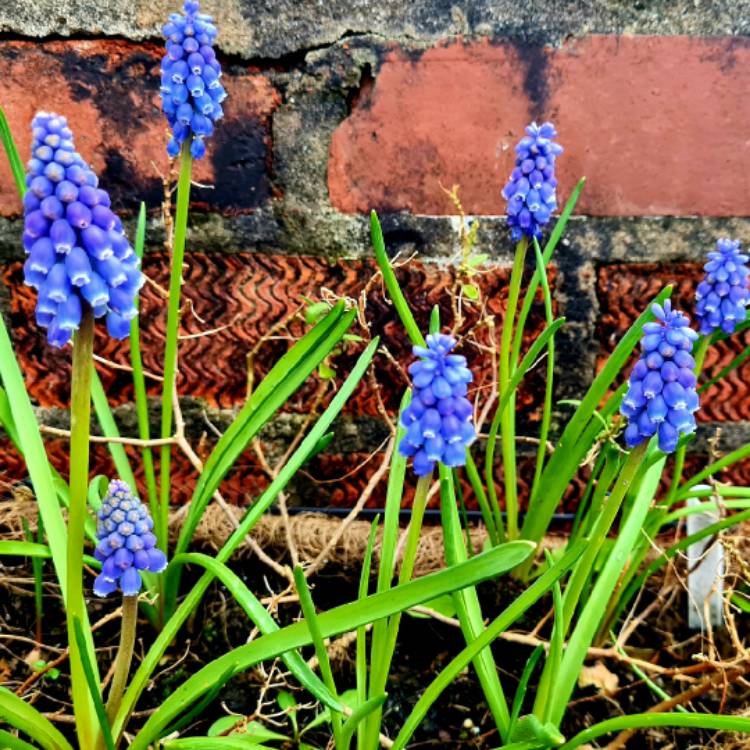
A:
x: 191, y: 92
x: 439, y: 417
x: 126, y: 543
x: 723, y: 295
x: 530, y: 191
x: 78, y: 255
x: 662, y: 398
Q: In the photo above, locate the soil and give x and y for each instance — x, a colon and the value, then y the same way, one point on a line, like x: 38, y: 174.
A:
x: 458, y: 720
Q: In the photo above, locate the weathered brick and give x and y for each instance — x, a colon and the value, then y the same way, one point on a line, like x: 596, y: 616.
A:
x: 623, y: 292
x: 655, y: 123
x: 109, y: 90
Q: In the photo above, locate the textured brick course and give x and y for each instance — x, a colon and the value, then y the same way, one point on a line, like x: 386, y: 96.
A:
x: 243, y: 296
x: 109, y: 91
x: 655, y: 124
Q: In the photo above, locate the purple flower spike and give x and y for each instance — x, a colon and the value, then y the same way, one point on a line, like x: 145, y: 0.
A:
x: 191, y: 90
x: 530, y: 191
x: 126, y: 544
x: 724, y: 293
x: 438, y: 420
x: 661, y: 398
x: 68, y: 232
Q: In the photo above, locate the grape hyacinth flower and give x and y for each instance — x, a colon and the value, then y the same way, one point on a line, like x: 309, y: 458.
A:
x: 439, y: 417
x: 126, y: 543
x: 724, y: 293
x: 191, y: 90
x: 530, y: 191
x: 78, y: 256
x: 661, y: 397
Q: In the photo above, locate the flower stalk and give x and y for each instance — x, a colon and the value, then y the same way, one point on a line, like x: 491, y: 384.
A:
x: 80, y: 416
x: 170, y: 349
x: 124, y: 655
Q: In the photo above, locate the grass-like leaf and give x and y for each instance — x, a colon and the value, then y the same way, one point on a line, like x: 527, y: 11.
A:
x: 342, y: 619
x: 19, y: 714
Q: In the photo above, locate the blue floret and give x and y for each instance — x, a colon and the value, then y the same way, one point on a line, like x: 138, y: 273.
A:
x: 439, y: 418
x: 127, y: 544
x: 530, y: 191
x: 723, y: 295
x: 78, y: 256
x: 191, y: 90
x: 661, y: 398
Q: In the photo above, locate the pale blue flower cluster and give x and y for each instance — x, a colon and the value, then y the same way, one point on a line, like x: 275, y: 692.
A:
x: 724, y: 293
x: 439, y: 418
x: 531, y: 189
x: 78, y: 255
x: 191, y: 90
x: 661, y: 398
x: 126, y: 542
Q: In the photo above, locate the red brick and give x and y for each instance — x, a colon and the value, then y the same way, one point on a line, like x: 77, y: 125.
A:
x: 623, y: 291
x: 657, y: 124
x: 109, y: 90
x: 244, y: 295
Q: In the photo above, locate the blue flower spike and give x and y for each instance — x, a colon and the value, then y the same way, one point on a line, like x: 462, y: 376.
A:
x: 191, y: 90
x: 438, y: 421
x: 78, y: 257
x: 724, y: 293
x: 531, y: 189
x: 661, y: 398
x: 127, y: 545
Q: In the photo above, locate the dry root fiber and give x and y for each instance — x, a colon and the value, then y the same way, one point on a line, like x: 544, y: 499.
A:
x: 310, y: 532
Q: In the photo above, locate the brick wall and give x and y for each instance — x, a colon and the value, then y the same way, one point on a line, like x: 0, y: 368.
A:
x: 340, y: 107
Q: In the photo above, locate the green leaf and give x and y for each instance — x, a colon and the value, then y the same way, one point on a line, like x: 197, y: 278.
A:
x: 109, y: 429
x: 21, y: 715
x: 139, y: 381
x: 10, y: 742
x: 470, y: 291
x: 24, y: 549
x: 391, y: 283
x: 283, y: 380
x: 93, y: 684
x: 316, y: 311
x: 467, y: 604
x: 443, y: 605
x: 16, y: 163
x: 140, y: 679
x: 576, y: 439
x: 261, y: 619
x: 650, y: 720
x: 224, y: 724
x: 287, y: 703
x: 230, y: 742
x: 30, y: 443
x: 529, y: 729
x: 506, y: 618
x: 339, y: 620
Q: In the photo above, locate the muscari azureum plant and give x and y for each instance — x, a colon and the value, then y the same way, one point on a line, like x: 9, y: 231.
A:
x: 69, y: 226
x: 657, y: 404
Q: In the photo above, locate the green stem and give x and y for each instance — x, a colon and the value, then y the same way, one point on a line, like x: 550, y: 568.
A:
x: 124, y: 655
x: 679, y: 457
x: 541, y: 453
x: 170, y: 348
x: 139, y: 384
x: 507, y: 418
x: 379, y: 671
x: 592, y: 615
x: 80, y: 423
x: 476, y: 484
